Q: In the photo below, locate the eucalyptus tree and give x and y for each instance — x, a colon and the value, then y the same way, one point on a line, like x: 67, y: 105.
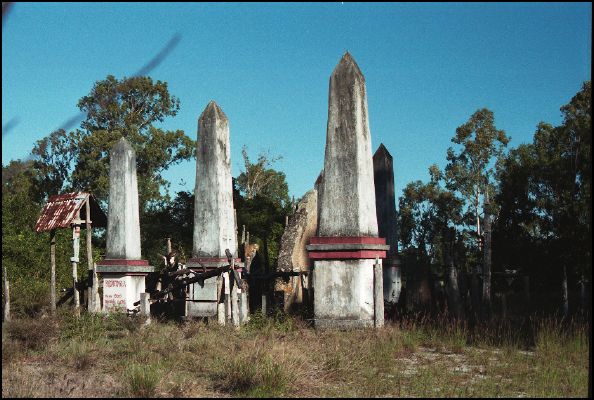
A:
x: 471, y: 172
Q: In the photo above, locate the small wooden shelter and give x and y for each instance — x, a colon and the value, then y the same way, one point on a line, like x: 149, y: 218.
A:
x: 72, y: 210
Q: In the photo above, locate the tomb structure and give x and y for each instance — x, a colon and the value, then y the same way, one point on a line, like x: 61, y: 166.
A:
x: 347, y: 244
x: 123, y: 270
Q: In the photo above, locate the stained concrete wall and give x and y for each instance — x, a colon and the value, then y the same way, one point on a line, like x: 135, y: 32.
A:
x: 123, y: 222
x: 293, y: 255
x: 303, y: 224
x: 343, y: 295
x: 214, y: 226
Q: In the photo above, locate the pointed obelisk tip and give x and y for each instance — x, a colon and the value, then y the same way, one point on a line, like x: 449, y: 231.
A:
x: 347, y: 64
x: 122, y: 144
x: 382, y: 150
x: 213, y: 111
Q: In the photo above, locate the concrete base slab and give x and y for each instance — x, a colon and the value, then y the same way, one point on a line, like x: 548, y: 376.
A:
x: 120, y: 291
x: 201, y: 308
x: 203, y: 298
x: 392, y: 283
x: 343, y: 324
x: 344, y: 291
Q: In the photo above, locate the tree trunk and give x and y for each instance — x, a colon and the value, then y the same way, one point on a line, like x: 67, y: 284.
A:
x: 487, y: 260
x: 478, y: 220
x: 452, y: 289
x: 475, y: 293
x: 565, y: 293
x: 583, y: 294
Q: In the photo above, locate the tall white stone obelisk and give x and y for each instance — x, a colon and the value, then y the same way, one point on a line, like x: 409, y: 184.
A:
x: 347, y: 243
x: 123, y: 269
x: 214, y: 217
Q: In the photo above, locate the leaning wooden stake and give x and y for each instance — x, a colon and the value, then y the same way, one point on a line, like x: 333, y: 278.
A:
x: 234, y: 299
x: 6, y: 297
x: 378, y: 293
x: 220, y: 304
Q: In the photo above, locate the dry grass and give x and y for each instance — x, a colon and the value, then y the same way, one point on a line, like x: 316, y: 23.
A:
x: 114, y: 356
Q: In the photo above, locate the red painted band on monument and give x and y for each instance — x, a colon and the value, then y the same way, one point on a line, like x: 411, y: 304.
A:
x: 347, y: 240
x: 201, y: 259
x: 125, y: 273
x: 141, y: 263
x: 339, y: 255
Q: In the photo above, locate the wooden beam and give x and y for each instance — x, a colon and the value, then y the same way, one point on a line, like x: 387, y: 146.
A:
x: 91, y: 298
x: 53, y: 271
x: 75, y: 260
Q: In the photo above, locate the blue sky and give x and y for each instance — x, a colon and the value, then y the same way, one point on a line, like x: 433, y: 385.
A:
x: 428, y: 67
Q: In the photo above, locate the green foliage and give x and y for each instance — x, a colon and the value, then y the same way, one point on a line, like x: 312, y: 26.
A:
x: 129, y: 106
x: 264, y: 218
x: 545, y: 198
x: 470, y: 171
x: 25, y: 253
x: 79, y: 160
x: 259, y: 179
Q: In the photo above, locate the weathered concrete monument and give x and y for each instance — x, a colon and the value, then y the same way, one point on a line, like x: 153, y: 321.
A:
x: 123, y: 269
x: 214, y: 217
x: 383, y: 168
x: 293, y: 256
x: 347, y: 245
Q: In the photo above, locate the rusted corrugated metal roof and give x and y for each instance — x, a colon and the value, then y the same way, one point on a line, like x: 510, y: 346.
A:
x: 61, y: 210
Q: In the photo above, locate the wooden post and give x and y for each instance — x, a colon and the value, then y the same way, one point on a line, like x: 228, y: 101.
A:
x: 227, y: 285
x: 75, y: 260
x: 145, y: 306
x: 168, y: 246
x: 234, y: 300
x: 236, y: 252
x: 53, y: 272
x: 243, y: 306
x: 378, y: 292
x: 264, y: 303
x: 6, y: 297
x: 220, y: 304
x: 91, y: 271
x: 95, y: 290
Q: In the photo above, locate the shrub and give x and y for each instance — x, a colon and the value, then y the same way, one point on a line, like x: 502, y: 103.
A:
x: 142, y: 379
x: 33, y: 334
